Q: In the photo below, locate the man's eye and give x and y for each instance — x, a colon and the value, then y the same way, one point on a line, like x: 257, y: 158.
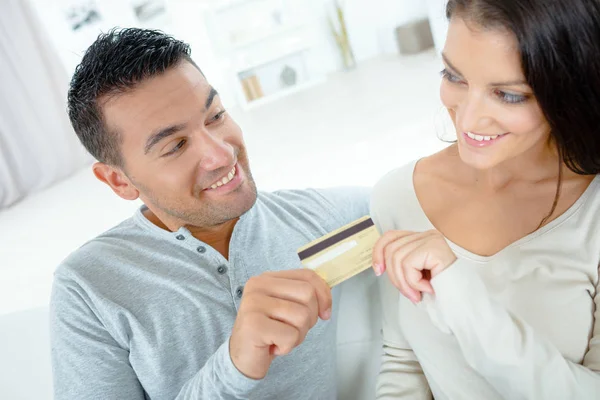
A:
x: 176, y: 148
x: 218, y: 117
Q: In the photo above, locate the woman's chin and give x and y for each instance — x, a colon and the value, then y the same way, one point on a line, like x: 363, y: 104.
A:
x: 478, y: 160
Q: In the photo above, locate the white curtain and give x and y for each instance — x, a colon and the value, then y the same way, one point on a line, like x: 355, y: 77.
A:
x: 37, y: 144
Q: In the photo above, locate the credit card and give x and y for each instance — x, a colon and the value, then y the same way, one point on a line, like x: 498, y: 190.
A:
x: 343, y: 253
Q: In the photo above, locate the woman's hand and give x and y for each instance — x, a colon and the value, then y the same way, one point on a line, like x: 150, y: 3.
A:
x: 412, y: 259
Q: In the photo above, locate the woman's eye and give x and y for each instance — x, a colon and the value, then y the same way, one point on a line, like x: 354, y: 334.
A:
x: 510, y: 98
x: 450, y: 77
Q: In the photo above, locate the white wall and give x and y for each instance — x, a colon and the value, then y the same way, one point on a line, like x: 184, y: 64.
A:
x: 189, y: 25
x: 372, y: 24
x: 436, y: 10
x: 71, y: 45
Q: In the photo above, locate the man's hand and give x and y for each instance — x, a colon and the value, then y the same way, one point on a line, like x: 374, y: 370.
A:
x: 277, y: 311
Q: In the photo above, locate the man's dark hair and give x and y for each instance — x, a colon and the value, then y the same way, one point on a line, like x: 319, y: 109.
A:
x: 115, y: 63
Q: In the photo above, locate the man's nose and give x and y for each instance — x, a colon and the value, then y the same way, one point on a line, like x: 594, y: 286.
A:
x: 214, y: 151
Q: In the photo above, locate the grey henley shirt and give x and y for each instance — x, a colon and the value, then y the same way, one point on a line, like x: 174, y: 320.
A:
x: 143, y: 313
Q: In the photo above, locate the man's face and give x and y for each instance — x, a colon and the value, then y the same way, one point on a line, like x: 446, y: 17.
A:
x: 181, y: 150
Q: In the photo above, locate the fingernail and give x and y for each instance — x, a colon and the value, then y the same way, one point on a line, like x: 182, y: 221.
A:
x: 327, y: 314
x: 378, y: 269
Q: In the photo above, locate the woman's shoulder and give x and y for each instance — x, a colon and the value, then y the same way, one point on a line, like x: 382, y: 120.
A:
x: 398, y: 179
x: 390, y: 194
x: 401, y: 181
x: 394, y: 201
x: 393, y: 196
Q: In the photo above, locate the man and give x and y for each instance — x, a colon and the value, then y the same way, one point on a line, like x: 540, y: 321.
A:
x: 200, y: 295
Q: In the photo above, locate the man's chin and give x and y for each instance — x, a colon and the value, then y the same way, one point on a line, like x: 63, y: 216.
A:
x: 207, y: 212
x: 242, y: 204
x: 249, y: 199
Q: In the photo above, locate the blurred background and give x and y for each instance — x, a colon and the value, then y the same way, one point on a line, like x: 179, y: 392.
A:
x: 328, y: 93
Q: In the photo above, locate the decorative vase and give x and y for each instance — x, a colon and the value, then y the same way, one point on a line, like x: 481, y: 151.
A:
x: 340, y: 33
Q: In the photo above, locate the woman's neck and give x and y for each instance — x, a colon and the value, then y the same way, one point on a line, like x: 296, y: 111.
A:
x: 538, y: 164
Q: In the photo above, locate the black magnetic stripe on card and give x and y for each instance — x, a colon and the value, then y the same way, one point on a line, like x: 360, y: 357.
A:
x: 338, y: 237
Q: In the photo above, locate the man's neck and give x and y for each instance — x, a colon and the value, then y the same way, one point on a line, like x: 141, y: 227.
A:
x: 218, y: 237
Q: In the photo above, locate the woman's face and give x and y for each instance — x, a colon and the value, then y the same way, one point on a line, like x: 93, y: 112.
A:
x: 494, y: 111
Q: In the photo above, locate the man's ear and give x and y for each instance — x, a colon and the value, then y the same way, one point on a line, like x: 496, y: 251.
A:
x: 117, y: 180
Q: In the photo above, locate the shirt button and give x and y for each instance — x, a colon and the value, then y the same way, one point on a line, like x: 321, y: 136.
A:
x: 201, y: 249
x: 222, y: 269
x: 180, y: 237
x: 239, y: 291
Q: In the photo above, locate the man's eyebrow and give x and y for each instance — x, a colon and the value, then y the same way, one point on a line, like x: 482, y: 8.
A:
x: 171, y: 130
x: 162, y: 134
x: 210, y: 98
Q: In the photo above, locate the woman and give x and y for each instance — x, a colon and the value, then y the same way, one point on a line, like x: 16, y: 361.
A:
x: 494, y: 243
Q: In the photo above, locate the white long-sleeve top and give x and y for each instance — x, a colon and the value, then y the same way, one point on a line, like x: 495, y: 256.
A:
x: 522, y: 324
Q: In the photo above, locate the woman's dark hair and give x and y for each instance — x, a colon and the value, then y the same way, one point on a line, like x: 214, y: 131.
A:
x: 559, y: 42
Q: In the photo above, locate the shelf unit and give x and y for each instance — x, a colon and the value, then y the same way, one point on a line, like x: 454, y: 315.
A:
x: 265, y: 47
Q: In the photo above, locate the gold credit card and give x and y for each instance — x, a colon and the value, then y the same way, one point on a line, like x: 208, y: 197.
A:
x: 342, y: 253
